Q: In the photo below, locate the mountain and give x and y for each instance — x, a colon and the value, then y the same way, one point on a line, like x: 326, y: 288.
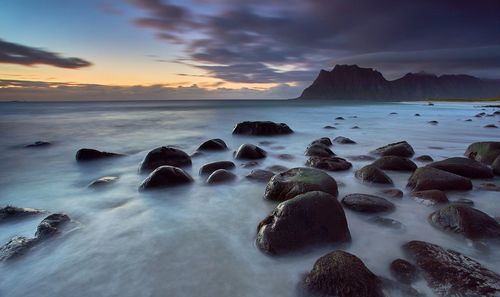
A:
x: 347, y: 82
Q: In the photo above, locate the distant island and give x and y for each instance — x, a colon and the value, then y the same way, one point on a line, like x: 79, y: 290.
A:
x: 351, y: 82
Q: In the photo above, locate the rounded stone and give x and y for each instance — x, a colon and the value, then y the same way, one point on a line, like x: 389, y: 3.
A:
x: 373, y: 174
x: 221, y: 176
x: 249, y: 152
x: 367, y: 203
x: 215, y: 144
x: 165, y: 176
x: 165, y: 155
x: 395, y: 163
x: 211, y: 167
x: 328, y: 163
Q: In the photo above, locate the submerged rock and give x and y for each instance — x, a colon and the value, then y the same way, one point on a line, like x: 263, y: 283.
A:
x: 373, y: 174
x: 277, y: 168
x: 343, y: 140
x: 490, y: 126
x: 433, y: 122
x: 319, y: 150
x: 495, y: 166
x: 221, y: 176
x: 464, y: 167
x: 329, y: 127
x: 429, y: 178
x: 361, y: 158
x: 12, y: 213
x: 464, y: 201
x: 307, y: 219
x: 485, y: 152
x: 424, y: 158
x: 323, y: 140
x: 51, y: 225
x: 263, y: 128
x: 165, y: 155
x: 38, y: 144
x: 288, y: 184
x: 328, y: 163
x: 215, y: 144
x: 489, y: 187
x: 392, y: 193
x: 165, y: 176
x: 16, y: 247
x: 249, y: 152
x: 86, y: 154
x: 430, y: 197
x: 103, y: 181
x: 401, y: 149
x: 260, y: 175
x: 395, y: 163
x: 211, y: 167
x: 367, y: 203
x: 386, y: 222
x: 403, y: 271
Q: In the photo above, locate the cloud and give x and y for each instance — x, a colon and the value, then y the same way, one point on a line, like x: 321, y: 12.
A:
x: 13, y: 53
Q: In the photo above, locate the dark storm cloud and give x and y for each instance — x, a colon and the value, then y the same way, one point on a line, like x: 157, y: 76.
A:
x: 24, y: 55
x: 242, y: 38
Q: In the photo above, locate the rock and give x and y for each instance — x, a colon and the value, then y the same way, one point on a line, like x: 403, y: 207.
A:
x: 355, y: 127
x: 260, y: 175
x: 323, y: 140
x: 342, y: 274
x: 319, y: 150
x: 13, y: 213
x: 464, y: 167
x: 430, y: 197
x: 386, y: 222
x: 367, y: 203
x: 103, y: 181
x: 296, y: 181
x: 307, y: 219
x: 424, y: 158
x: 401, y: 149
x: 286, y: 157
x: 278, y: 147
x: 464, y: 201
x: 339, y: 118
x: 266, y: 142
x: 450, y: 273
x: 16, y: 247
x: 465, y: 220
x: 393, y: 113
x: 481, y: 114
x: 215, y: 144
x: 403, y: 271
x: 262, y: 128
x: 373, y: 174
x: 490, y: 126
x: 329, y: 127
x: 51, y: 225
x: 250, y: 164
x: 429, y: 178
x: 495, y: 166
x: 221, y: 176
x: 490, y: 187
x: 165, y: 176
x: 484, y: 152
x: 361, y: 158
x: 211, y: 167
x: 165, y: 155
x: 344, y: 140
x: 86, y: 154
x: 392, y: 193
x: 433, y: 122
x: 468, y: 120
x: 395, y: 163
x: 38, y: 144
x: 417, y: 114
x: 249, y: 152
x: 328, y: 163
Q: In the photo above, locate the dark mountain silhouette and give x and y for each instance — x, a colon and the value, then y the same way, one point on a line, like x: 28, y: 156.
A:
x: 346, y: 82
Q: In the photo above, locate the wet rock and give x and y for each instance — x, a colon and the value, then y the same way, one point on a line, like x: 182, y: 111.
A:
x: 489, y: 187
x: 403, y: 271
x: 392, y: 113
x: 277, y: 168
x: 490, y: 126
x: 342, y: 274
x: 165, y: 176
x: 430, y: 197
x: 465, y: 220
x: 395, y: 163
x: 307, y: 219
x: 343, y: 140
x: 468, y: 120
x: 211, y: 167
x: 495, y: 166
x: 266, y: 142
x: 481, y: 114
x: 367, y: 203
x: 16, y: 247
x: 215, y: 144
x: 262, y: 128
x: 38, y: 144
x: 221, y: 176
x: 392, y: 193
x: 103, y: 181
x: 339, y: 118
x: 13, y: 213
x: 355, y: 127
x: 450, y: 273
x: 328, y: 163
x: 373, y: 174
x: 51, y: 225
x: 361, y: 158
x: 286, y: 157
x: 288, y: 184
x: 165, y: 155
x: 250, y: 152
x: 401, y: 149
x: 464, y: 167
x: 417, y: 114
x: 323, y: 140
x: 429, y: 178
x: 485, y: 152
x: 260, y: 175
x: 386, y: 222
x: 250, y: 164
x: 433, y: 122
x: 86, y: 154
x: 329, y: 127
x: 464, y: 201
x: 424, y: 158
x: 319, y: 150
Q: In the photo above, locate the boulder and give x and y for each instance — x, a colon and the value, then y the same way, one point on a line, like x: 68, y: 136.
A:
x: 260, y: 175
x: 433, y: 122
x: 430, y: 197
x: 392, y: 193
x: 403, y: 271
x: 386, y: 222
x: 373, y: 174
x: 277, y: 168
x: 342, y: 274
x: 367, y: 203
x: 323, y: 140
x: 51, y: 225
x: 429, y: 178
x: 249, y: 152
x: 262, y: 128
x: 465, y: 220
x: 221, y: 176
x: 464, y: 201
x: 38, y: 144
x: 490, y: 126
x: 339, y: 118
x: 165, y: 155
x: 485, y: 152
x: 308, y: 219
x: 450, y: 273
x: 328, y: 163
x: 16, y: 247
x: 343, y: 140
x: 103, y: 181
x: 355, y: 127
x: 319, y: 150
x: 424, y: 158
x: 495, y: 166
x: 401, y: 149
x: 165, y: 176
x: 13, y: 213
x: 215, y: 144
x: 211, y: 167
x: 329, y: 127
x: 395, y: 163
x: 286, y: 157
x: 296, y: 181
x: 464, y: 167
x: 86, y: 154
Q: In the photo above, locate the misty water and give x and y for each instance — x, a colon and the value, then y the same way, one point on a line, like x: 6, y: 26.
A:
x: 198, y: 240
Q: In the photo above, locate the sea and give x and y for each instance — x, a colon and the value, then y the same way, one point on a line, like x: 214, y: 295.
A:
x: 199, y: 240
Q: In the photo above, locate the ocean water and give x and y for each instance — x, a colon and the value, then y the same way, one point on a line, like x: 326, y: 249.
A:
x: 198, y: 240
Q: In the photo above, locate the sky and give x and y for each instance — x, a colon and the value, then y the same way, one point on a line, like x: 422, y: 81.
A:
x: 232, y: 49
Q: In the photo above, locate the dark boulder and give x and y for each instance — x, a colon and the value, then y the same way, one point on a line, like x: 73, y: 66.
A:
x: 211, y: 167
x: 319, y: 150
x: 424, y: 158
x: 86, y: 154
x: 464, y: 167
x: 339, y: 118
x: 51, y: 225
x: 323, y: 140
x: 417, y: 114
x: 329, y: 127
x: 13, y: 213
x: 249, y: 152
x: 373, y: 174
x: 165, y: 176
x: 342, y: 274
x: 215, y: 144
x: 260, y: 175
x: 490, y: 126
x: 367, y: 203
x: 433, y: 122
x: 429, y: 178
x: 328, y: 163
x: 430, y: 197
x: 355, y: 127
x: 16, y: 247
x: 263, y: 128
x: 392, y: 193
x: 221, y: 176
x: 343, y: 140
x: 395, y: 163
x: 103, y: 181
x: 165, y: 155
x: 308, y: 219
x: 485, y: 152
x: 296, y: 181
x: 465, y: 220
x: 401, y: 149
x: 403, y: 271
x: 450, y: 273
x: 38, y: 144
